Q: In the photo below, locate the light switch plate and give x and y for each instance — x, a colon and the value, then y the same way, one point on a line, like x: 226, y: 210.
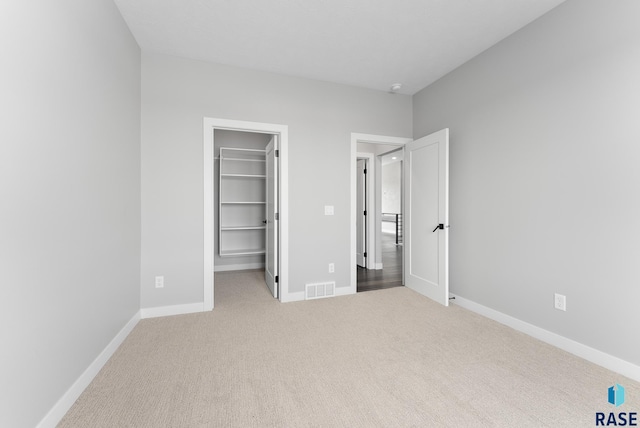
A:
x: 328, y: 210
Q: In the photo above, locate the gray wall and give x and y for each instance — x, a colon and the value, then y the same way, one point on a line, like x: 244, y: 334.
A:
x: 392, y: 187
x: 545, y: 155
x: 70, y: 195
x: 178, y: 93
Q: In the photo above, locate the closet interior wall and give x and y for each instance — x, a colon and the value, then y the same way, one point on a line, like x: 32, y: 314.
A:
x: 239, y: 140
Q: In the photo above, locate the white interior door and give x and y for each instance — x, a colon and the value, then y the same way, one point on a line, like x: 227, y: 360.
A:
x: 361, y: 220
x: 271, y: 232
x: 426, y: 211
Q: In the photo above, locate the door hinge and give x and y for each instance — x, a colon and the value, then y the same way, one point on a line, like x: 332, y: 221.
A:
x: 365, y: 213
x: 276, y: 278
x: 365, y: 254
x: 277, y: 216
x: 365, y: 170
x: 277, y: 153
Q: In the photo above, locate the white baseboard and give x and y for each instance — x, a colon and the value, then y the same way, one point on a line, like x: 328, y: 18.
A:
x: 374, y: 266
x: 165, y: 311
x: 595, y: 356
x: 245, y: 266
x: 293, y: 297
x: 63, y: 405
x: 344, y: 291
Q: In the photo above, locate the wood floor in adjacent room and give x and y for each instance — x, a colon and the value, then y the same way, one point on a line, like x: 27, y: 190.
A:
x: 385, y: 358
x: 390, y: 275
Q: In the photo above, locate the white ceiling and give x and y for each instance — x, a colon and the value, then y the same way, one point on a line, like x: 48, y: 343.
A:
x: 367, y: 43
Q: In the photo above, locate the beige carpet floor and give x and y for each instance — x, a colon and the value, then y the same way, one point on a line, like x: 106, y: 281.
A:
x: 387, y: 358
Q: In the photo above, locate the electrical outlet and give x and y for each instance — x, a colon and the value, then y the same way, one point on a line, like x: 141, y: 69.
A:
x: 332, y: 268
x: 159, y: 281
x: 560, y: 302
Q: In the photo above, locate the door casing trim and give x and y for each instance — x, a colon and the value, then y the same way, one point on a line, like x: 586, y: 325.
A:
x: 355, y: 139
x: 209, y: 125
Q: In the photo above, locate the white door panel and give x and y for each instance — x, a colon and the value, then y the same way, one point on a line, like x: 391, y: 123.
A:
x: 426, y: 207
x: 271, y: 232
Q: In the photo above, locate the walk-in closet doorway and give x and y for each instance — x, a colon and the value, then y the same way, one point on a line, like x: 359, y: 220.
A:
x: 245, y: 202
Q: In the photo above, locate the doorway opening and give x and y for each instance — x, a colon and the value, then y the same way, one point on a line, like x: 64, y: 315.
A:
x: 383, y: 265
x: 245, y: 199
x: 388, y: 273
x: 245, y: 203
x: 385, y: 200
x: 425, y: 219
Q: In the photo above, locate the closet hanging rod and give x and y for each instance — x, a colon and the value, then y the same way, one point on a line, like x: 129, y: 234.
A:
x: 240, y: 159
x: 243, y: 150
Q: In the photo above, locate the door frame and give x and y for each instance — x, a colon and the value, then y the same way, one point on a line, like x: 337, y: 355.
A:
x: 209, y: 126
x: 372, y: 139
x: 369, y: 197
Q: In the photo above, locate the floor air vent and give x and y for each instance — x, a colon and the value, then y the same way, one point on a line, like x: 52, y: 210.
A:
x: 320, y: 290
